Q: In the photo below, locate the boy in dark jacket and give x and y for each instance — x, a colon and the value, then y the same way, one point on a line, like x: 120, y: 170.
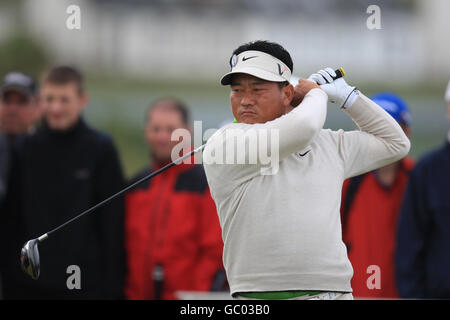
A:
x: 60, y: 170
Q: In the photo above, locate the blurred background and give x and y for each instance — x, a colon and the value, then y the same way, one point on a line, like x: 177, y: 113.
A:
x: 135, y: 51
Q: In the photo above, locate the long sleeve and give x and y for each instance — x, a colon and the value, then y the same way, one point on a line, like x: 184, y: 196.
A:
x: 110, y: 220
x: 412, y: 233
x: 379, y: 142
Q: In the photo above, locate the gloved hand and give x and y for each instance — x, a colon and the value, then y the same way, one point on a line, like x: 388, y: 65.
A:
x: 338, y: 90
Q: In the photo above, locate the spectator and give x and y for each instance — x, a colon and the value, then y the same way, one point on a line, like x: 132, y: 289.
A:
x: 62, y: 169
x: 173, y: 236
x: 19, y: 110
x: 4, y: 164
x: 423, y: 243
x: 370, y: 208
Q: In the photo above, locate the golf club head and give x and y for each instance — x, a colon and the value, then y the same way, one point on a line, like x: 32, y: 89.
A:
x: 29, y: 259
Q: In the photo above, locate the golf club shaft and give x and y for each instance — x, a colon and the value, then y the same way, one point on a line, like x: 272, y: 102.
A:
x: 98, y: 205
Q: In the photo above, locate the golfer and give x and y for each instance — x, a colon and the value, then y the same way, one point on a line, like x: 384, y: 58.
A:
x: 281, y: 228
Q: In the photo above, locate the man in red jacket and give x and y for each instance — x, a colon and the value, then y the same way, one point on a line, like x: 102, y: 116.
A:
x: 173, y: 235
x: 370, y: 208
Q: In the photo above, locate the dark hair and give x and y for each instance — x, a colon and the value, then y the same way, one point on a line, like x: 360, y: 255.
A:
x: 172, y: 104
x: 272, y: 48
x: 61, y: 75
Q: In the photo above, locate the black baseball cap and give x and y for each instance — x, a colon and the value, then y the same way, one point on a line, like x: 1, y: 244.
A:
x: 18, y: 82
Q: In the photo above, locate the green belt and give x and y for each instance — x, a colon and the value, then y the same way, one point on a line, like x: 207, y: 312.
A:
x: 277, y: 295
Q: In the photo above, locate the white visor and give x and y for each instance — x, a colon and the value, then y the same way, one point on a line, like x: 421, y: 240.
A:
x: 258, y: 64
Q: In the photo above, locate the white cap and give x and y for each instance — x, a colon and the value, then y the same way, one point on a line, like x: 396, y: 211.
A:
x: 447, y: 93
x: 258, y: 64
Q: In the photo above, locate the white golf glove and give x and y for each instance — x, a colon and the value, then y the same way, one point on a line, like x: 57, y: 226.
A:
x: 338, y: 90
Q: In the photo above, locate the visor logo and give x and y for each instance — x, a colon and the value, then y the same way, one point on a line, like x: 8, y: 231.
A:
x: 233, y: 61
x: 247, y: 58
x: 280, y: 72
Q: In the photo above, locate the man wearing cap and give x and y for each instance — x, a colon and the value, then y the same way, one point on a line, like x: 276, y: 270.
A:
x: 281, y: 227
x: 423, y: 242
x: 19, y: 110
x: 18, y: 114
x: 370, y: 207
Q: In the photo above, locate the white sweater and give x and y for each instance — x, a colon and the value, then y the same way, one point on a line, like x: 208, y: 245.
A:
x: 283, y: 231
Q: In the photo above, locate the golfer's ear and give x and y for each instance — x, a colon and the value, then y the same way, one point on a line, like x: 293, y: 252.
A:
x: 288, y: 94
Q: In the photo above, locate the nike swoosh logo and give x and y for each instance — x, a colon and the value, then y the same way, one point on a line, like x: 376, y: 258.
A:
x: 279, y: 69
x: 246, y: 58
x: 304, y: 154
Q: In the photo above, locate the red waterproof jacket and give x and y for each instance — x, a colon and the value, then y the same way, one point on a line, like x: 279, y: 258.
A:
x: 173, y: 236
x: 370, y: 214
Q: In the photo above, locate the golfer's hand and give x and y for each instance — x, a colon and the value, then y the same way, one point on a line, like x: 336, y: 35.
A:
x: 338, y: 90
x: 301, y: 89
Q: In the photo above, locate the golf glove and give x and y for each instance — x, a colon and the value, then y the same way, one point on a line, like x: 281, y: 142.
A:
x: 338, y: 90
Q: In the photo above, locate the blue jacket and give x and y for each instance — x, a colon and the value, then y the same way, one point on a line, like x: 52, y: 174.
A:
x: 423, y: 244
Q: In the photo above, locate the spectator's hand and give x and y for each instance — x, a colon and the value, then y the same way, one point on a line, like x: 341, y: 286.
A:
x: 338, y: 90
x: 301, y: 89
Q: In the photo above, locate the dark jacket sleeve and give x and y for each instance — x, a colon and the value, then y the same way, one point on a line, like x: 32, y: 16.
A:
x: 4, y: 164
x: 110, y: 219
x: 412, y: 234
x: 11, y: 238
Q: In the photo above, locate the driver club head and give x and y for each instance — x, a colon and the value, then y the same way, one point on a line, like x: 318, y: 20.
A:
x: 29, y: 259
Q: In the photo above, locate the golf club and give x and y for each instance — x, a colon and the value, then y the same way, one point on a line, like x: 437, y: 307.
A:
x: 29, y: 255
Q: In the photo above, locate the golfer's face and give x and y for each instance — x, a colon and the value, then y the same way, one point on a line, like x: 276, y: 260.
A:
x: 62, y: 105
x: 254, y: 100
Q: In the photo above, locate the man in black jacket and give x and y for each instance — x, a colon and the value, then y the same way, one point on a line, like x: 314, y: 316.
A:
x: 19, y: 113
x: 4, y: 162
x: 62, y: 169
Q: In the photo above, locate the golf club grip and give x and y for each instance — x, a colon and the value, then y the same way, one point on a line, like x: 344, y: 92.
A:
x: 340, y: 73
